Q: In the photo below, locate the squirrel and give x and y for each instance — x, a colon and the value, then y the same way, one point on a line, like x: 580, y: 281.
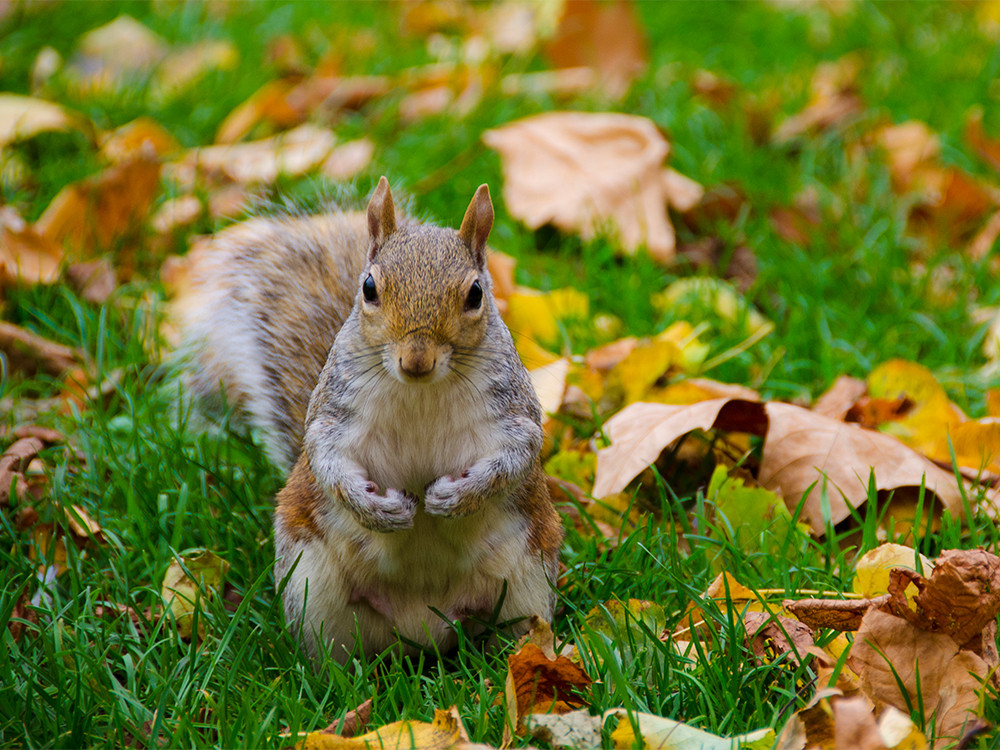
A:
x: 416, y: 496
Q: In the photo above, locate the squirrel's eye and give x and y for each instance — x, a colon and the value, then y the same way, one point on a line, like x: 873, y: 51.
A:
x: 368, y: 289
x: 475, y: 298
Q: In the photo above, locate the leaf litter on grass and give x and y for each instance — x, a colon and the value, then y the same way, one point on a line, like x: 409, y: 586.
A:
x: 894, y: 422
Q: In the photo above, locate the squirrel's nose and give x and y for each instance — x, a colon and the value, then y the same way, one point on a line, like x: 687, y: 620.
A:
x: 417, y: 365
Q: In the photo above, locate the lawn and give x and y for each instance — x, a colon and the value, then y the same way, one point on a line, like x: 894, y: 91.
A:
x: 838, y: 250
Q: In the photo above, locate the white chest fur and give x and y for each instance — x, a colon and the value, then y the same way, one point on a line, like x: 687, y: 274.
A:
x: 407, y: 435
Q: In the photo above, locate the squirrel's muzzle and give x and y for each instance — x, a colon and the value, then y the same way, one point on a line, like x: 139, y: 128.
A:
x: 418, y: 358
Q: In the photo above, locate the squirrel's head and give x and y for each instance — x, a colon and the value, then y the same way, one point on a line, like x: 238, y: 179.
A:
x: 425, y: 296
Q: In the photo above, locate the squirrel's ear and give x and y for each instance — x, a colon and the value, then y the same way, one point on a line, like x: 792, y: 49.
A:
x: 476, y: 225
x: 381, y: 216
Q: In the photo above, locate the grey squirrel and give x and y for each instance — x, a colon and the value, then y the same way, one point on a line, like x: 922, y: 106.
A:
x: 369, y: 352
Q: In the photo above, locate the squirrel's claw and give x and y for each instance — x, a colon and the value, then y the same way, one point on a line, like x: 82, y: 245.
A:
x: 451, y: 496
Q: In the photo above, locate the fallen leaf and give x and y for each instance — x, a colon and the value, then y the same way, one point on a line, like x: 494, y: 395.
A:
x: 92, y: 215
x: 26, y: 256
x: 987, y: 148
x: 444, y: 733
x: 833, y: 100
x: 640, y: 432
x: 840, y: 397
x: 117, y: 53
x: 176, y: 213
x: 581, y: 171
x: 647, y: 732
x: 348, y: 159
x: 837, y: 614
x: 22, y: 117
x: 354, y: 721
x: 871, y: 571
x: 549, y: 383
x: 183, y: 67
x: 771, y: 637
x: 291, y: 153
x: 83, y: 527
x: 95, y: 279
x: 14, y: 462
x: 29, y: 353
x: 563, y: 83
x: 906, y: 667
x: 45, y: 434
x: 803, y: 451
x: 141, y: 136
x: 538, y: 681
x: 182, y: 594
x: 604, y: 36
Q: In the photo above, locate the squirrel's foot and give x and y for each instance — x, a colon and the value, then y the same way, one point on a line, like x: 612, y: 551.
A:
x: 452, y: 496
x: 392, y: 511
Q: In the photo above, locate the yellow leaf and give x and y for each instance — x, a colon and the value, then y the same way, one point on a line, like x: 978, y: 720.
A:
x: 181, y: 593
x: 976, y: 444
x: 933, y: 414
x: 871, y: 574
x: 537, y: 314
x: 446, y: 731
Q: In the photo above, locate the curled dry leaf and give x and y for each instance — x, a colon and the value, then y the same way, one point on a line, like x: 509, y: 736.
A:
x: 141, y: 136
x: 581, y: 171
x: 14, y: 462
x: 354, y: 721
x: 802, y: 452
x: 770, y: 634
x: 904, y: 666
x: 837, y: 614
x: 538, y: 681
x: 348, y: 159
x: 110, y: 55
x: 94, y: 279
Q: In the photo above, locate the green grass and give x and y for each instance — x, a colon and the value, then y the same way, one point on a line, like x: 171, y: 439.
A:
x: 160, y: 479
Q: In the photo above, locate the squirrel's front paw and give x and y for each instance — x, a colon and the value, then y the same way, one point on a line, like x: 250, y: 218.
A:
x: 389, y: 512
x: 451, y: 496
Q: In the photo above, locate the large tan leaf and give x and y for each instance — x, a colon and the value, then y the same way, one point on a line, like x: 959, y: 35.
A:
x: 904, y: 666
x: 114, y: 54
x: 23, y: 116
x: 582, y: 171
x: 638, y: 433
x: 803, y: 448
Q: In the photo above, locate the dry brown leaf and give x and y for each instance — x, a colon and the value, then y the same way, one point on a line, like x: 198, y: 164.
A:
x: 114, y: 54
x: 13, y: 464
x: 26, y: 256
x: 904, y: 666
x: 854, y: 726
x: 563, y: 83
x: 141, y: 136
x: 93, y: 214
x: 292, y: 153
x: 185, y: 66
x: 801, y: 448
x: 871, y: 412
x: 837, y: 614
x: 582, y: 171
x: 29, y: 353
x: 22, y: 117
x: 356, y: 720
x: 539, y: 681
x: 840, y: 397
x: 45, y: 434
x: 770, y: 634
x: 641, y: 431
x: 834, y: 100
x: 348, y: 159
x: 985, y: 238
x: 94, y: 279
x: 605, y: 36
x: 176, y: 213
